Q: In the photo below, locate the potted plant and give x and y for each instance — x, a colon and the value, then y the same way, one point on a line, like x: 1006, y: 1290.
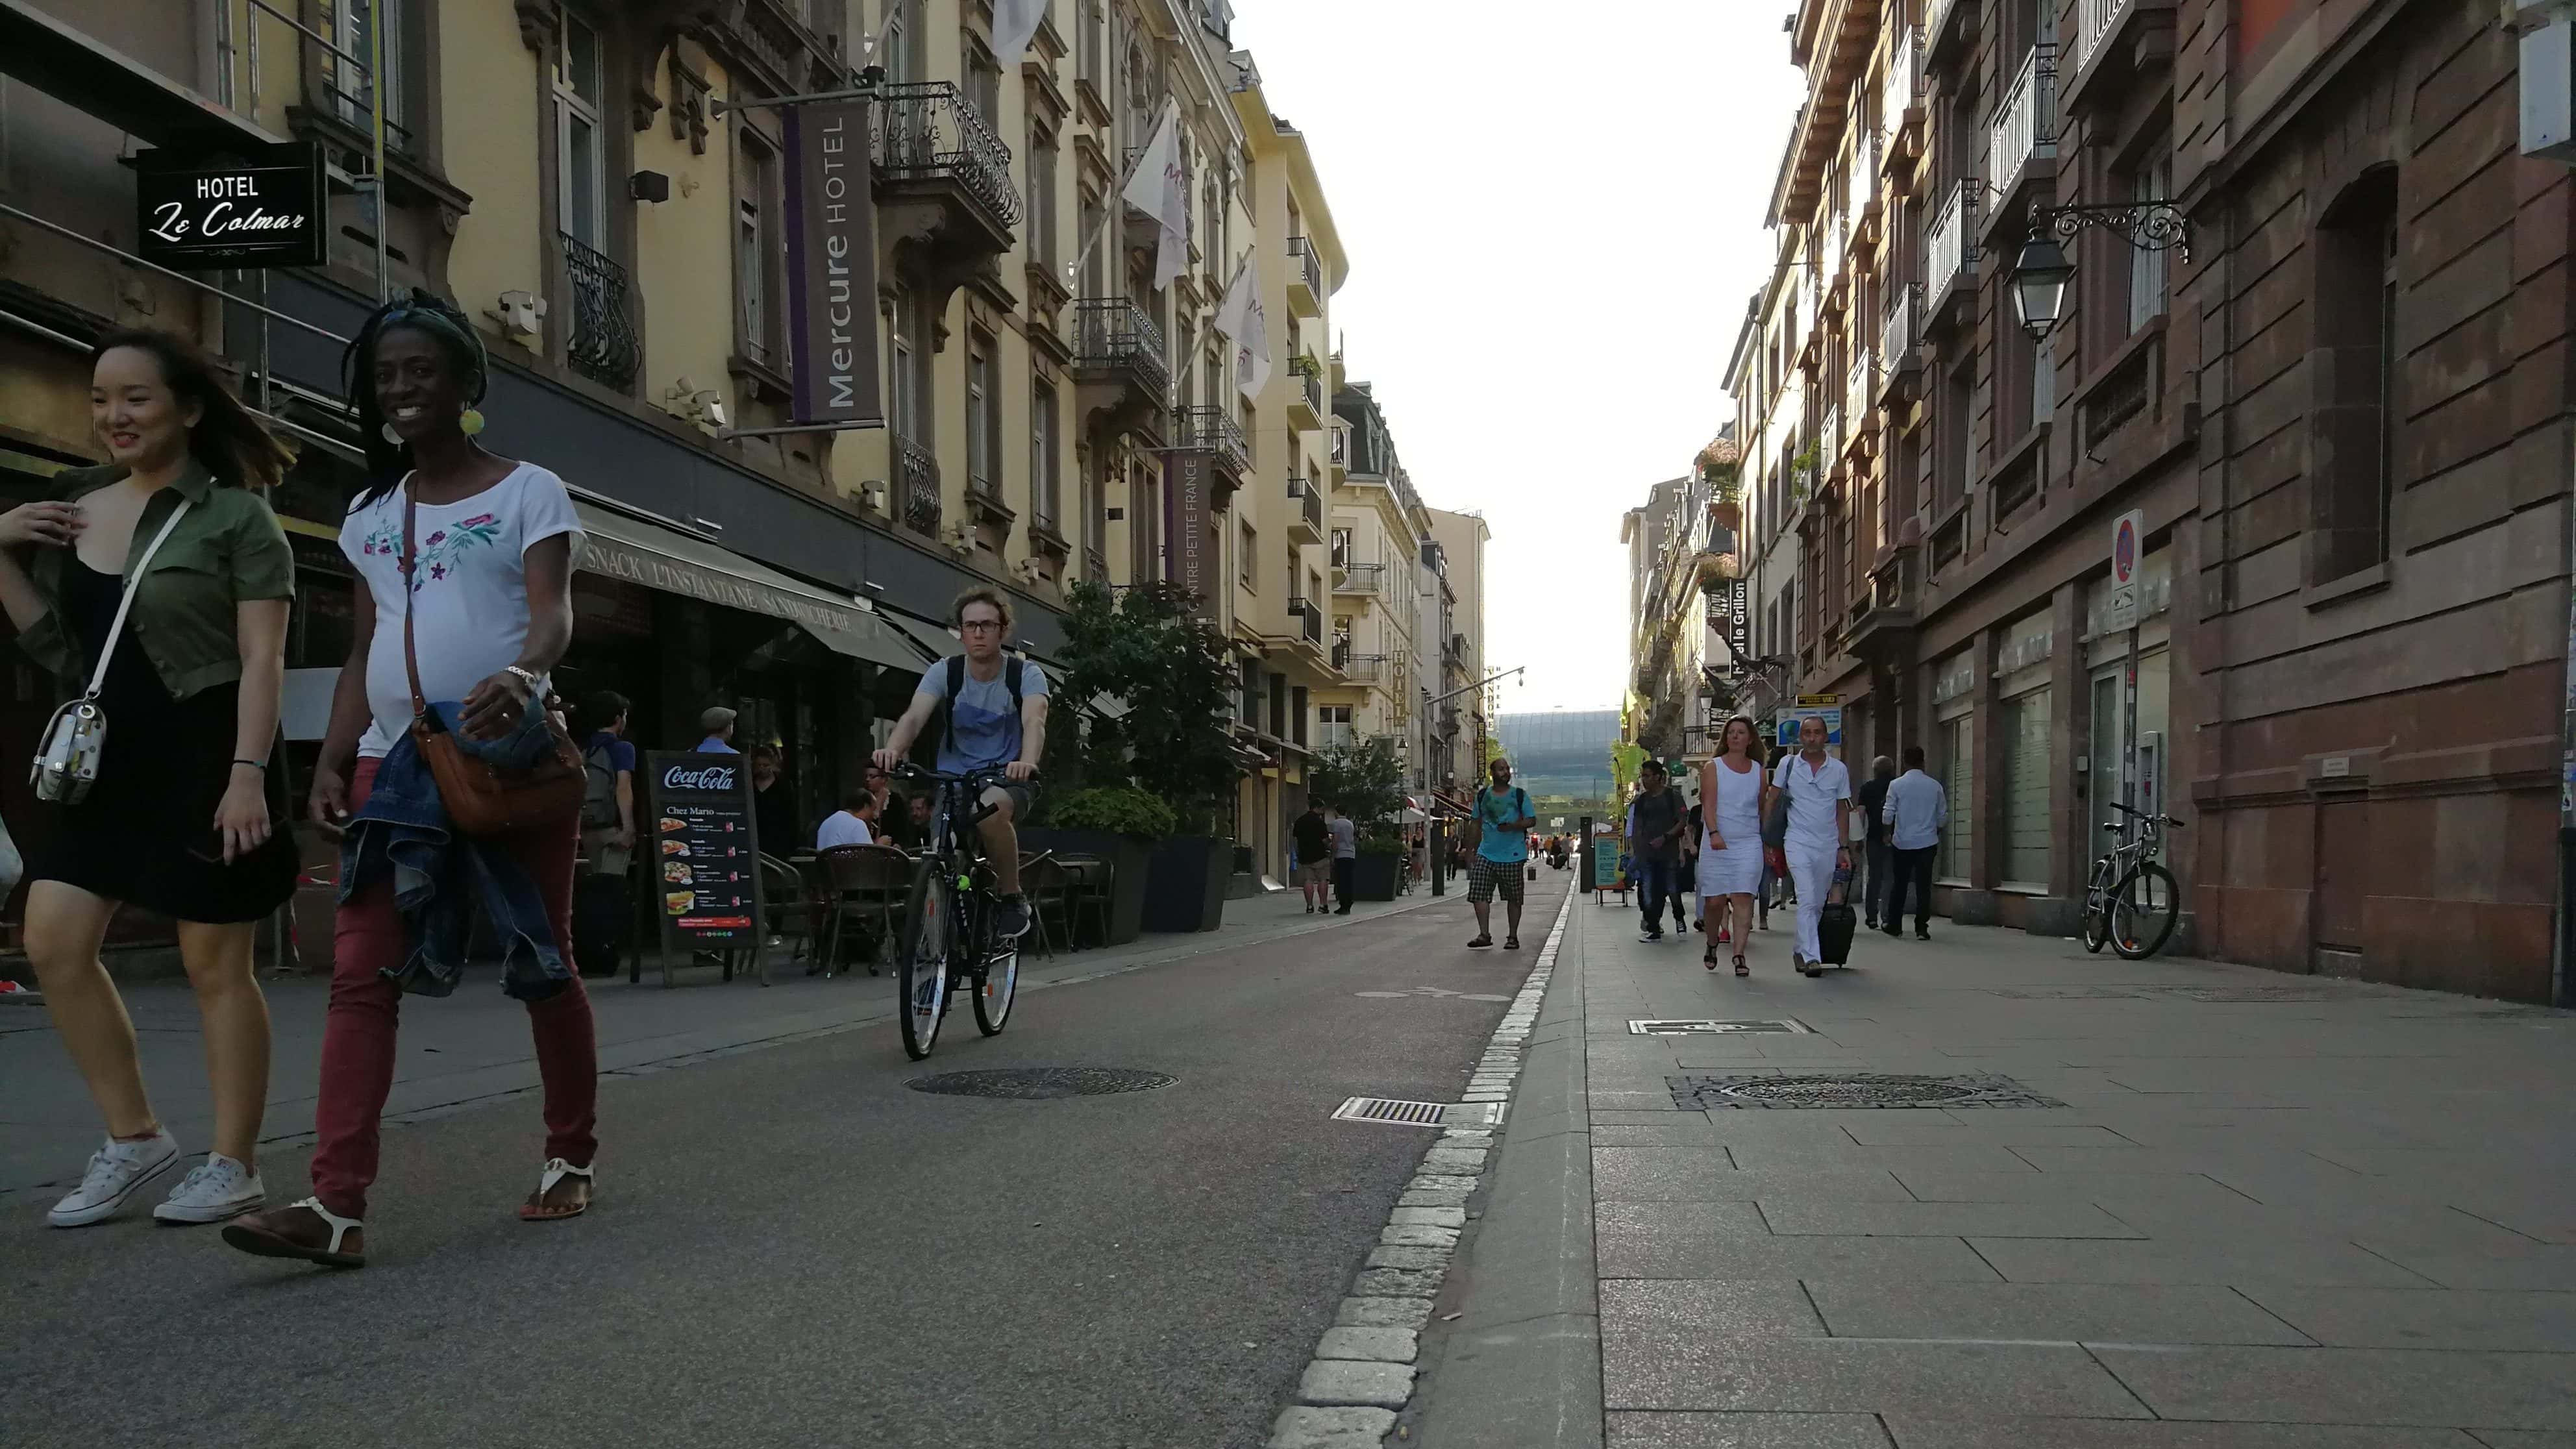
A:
x: 1150, y: 648
x: 1381, y: 860
x: 1119, y: 824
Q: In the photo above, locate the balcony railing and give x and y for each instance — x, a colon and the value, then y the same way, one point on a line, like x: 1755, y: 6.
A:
x: 918, y: 473
x: 1863, y: 202
x: 929, y: 130
x: 1308, y: 378
x: 1903, y: 88
x: 1213, y: 429
x: 1950, y: 252
x: 1830, y: 434
x: 2025, y: 128
x: 2095, y: 19
x: 1860, y: 392
x: 1112, y: 332
x: 1309, y: 500
x: 1358, y: 668
x: 1365, y: 578
x: 1308, y: 618
x: 603, y: 346
x: 1305, y: 269
x: 1936, y: 18
x: 1897, y: 333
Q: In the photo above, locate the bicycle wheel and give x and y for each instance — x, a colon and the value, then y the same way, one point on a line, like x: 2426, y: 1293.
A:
x: 926, y: 949
x: 2144, y: 910
x: 997, y: 980
x: 2097, y: 912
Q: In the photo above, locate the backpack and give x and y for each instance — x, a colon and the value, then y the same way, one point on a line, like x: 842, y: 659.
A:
x: 957, y: 680
x: 599, y: 785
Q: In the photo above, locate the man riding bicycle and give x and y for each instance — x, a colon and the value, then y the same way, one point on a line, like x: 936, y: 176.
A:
x: 993, y: 719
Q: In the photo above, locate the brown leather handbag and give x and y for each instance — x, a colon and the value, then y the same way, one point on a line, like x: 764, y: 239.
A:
x: 483, y: 799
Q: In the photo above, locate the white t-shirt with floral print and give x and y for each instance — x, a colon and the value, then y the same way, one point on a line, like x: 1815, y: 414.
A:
x: 471, y: 589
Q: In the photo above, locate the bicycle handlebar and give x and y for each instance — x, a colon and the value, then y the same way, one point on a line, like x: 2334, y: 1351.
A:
x: 910, y: 771
x: 2127, y: 809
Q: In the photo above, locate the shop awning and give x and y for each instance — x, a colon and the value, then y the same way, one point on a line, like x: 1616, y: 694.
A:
x: 662, y: 558
x: 932, y: 640
x: 52, y: 57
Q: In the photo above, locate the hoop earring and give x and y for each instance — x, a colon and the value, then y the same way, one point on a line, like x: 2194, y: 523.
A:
x: 390, y: 435
x: 470, y: 421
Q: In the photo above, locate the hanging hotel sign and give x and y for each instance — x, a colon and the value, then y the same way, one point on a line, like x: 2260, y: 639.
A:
x: 831, y: 265
x: 1739, y: 623
x: 1191, y: 563
x: 250, y: 205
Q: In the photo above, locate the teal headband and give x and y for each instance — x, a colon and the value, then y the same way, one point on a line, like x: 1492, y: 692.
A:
x: 427, y: 316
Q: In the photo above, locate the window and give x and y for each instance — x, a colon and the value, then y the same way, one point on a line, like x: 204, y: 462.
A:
x: 1341, y: 551
x: 1951, y: 425
x: 902, y: 59
x: 1251, y: 433
x: 1041, y: 219
x: 2355, y: 410
x: 1333, y: 725
x: 1297, y: 714
x: 1279, y: 706
x: 352, y: 94
x: 756, y: 251
x: 983, y: 86
x: 983, y: 420
x: 1958, y: 775
x: 907, y: 381
x: 2147, y: 268
x: 1248, y: 570
x: 1248, y: 711
x: 1088, y: 19
x: 2026, y: 792
x: 581, y: 142
x: 1043, y: 468
x: 2043, y: 379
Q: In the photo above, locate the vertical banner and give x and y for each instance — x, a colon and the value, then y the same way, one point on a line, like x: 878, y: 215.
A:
x: 704, y: 849
x: 1739, y: 623
x: 1193, y: 563
x: 831, y: 265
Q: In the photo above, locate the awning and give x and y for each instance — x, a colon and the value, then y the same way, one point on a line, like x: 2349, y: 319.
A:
x: 52, y: 57
x: 932, y: 640
x: 621, y: 547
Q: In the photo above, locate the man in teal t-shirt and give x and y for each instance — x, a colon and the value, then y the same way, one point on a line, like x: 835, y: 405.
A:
x: 1503, y: 820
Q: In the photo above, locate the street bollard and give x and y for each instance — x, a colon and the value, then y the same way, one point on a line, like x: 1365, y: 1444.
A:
x: 1439, y: 856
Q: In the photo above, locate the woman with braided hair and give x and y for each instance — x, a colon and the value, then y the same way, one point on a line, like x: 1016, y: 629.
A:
x: 463, y: 558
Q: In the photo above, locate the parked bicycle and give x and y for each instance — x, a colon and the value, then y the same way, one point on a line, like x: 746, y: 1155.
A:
x: 2131, y: 903
x: 948, y: 938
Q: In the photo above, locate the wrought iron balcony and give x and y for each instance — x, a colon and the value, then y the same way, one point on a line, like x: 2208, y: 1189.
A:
x: 1213, y: 429
x: 602, y: 347
x: 1898, y: 332
x: 930, y: 131
x: 1305, y: 391
x: 1950, y: 251
x: 917, y: 475
x: 2025, y: 126
x: 1305, y: 278
x: 1358, y: 668
x: 1367, y: 578
x: 1118, y: 362
x: 1305, y: 511
x: 2094, y: 20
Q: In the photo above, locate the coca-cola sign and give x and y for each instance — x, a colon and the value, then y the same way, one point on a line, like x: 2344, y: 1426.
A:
x: 703, y: 846
x: 698, y: 777
x: 242, y: 206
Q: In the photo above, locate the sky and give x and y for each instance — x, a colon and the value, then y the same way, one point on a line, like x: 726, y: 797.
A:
x: 1554, y: 221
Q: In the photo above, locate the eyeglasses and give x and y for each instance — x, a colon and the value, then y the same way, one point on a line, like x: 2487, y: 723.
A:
x: 977, y: 626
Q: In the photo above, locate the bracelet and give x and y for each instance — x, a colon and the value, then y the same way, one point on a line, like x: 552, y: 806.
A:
x: 259, y: 765
x: 526, y: 677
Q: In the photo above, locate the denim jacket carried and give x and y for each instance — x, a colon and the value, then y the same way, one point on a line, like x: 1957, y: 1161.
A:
x: 439, y: 874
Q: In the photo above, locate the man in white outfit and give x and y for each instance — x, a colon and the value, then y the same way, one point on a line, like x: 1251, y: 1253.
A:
x: 1820, y: 793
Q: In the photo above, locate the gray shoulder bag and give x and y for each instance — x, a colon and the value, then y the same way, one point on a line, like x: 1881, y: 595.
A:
x: 77, y: 734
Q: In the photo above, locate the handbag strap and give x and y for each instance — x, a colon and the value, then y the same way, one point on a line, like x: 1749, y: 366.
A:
x: 411, y: 650
x: 133, y: 581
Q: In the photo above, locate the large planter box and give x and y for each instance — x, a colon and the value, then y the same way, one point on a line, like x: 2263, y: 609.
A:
x: 1185, y: 883
x: 1373, y: 878
x: 1127, y: 856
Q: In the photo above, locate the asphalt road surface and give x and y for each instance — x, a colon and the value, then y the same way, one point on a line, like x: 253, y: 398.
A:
x: 789, y: 1247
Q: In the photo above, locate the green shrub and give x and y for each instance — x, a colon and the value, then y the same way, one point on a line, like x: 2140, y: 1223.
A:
x: 1118, y: 809
x: 1381, y: 845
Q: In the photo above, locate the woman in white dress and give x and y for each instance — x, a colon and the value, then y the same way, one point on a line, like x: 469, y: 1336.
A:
x: 1819, y: 791
x: 1730, y: 862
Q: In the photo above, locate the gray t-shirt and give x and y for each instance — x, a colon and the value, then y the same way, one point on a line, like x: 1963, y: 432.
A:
x: 1346, y: 838
x: 987, y: 729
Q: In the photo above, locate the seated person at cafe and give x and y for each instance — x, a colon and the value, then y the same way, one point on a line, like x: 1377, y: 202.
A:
x: 853, y: 824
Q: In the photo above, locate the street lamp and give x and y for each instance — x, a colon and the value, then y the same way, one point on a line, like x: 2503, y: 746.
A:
x: 2040, y: 274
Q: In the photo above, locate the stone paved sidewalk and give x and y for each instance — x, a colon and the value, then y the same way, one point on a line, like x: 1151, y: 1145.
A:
x: 2205, y: 1207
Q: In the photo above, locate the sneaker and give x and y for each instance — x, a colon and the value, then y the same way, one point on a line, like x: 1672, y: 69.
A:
x: 19, y: 991
x: 115, y: 1171
x: 215, y: 1189
x: 1650, y: 934
x: 1011, y: 917
x: 1921, y: 934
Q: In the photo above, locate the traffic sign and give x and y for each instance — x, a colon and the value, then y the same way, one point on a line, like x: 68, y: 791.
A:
x: 2128, y: 549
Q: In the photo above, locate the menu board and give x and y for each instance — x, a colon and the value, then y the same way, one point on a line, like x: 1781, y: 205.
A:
x: 704, y: 850
x: 1605, y: 864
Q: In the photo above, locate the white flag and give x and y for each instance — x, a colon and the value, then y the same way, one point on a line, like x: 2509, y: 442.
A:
x: 1252, y: 347
x: 1238, y: 295
x: 1015, y: 23
x: 1159, y: 190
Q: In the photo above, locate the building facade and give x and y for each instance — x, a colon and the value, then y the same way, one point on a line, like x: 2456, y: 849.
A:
x: 602, y: 188
x: 2309, y: 346
x: 1379, y: 528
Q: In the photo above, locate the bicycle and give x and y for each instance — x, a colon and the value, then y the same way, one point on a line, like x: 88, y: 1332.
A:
x: 951, y: 902
x: 2131, y: 903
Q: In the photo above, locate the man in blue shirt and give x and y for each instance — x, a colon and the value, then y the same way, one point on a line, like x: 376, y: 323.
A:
x: 718, y: 722
x: 1503, y: 817
x: 984, y: 732
x: 1916, y: 812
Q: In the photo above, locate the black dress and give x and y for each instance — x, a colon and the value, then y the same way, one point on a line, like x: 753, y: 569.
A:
x: 145, y: 833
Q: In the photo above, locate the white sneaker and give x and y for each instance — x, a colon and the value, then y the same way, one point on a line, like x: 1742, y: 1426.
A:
x: 115, y: 1171
x: 215, y: 1189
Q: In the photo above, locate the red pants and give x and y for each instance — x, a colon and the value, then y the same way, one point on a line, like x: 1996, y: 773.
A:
x: 358, y: 1034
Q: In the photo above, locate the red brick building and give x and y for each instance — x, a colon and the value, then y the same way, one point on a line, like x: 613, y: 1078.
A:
x: 2342, y: 410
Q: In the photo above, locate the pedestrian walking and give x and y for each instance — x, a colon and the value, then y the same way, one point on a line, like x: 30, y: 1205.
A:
x: 1730, y: 861
x: 1346, y: 856
x: 1818, y: 789
x: 1314, y: 840
x: 463, y: 565
x: 1656, y: 819
x: 159, y: 585
x: 1878, y: 859
x: 1916, y: 812
x: 1503, y: 821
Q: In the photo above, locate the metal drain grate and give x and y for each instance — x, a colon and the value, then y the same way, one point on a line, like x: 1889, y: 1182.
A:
x: 1040, y: 1083
x: 1852, y: 1090
x: 1393, y: 1113
x: 1700, y: 1026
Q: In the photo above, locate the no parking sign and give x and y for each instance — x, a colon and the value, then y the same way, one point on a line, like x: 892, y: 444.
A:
x: 2128, y: 546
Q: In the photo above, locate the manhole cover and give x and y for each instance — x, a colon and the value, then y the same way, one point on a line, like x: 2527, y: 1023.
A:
x: 1853, y: 1090
x: 1034, y: 1083
x: 1700, y: 1027
x: 2241, y: 993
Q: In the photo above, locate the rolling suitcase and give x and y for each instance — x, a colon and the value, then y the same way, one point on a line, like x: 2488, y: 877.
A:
x: 1834, y: 928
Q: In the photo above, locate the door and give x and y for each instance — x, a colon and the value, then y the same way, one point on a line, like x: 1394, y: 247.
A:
x: 2103, y: 757
x: 2343, y: 876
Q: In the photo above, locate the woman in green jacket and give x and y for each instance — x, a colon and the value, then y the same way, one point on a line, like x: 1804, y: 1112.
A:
x: 183, y: 816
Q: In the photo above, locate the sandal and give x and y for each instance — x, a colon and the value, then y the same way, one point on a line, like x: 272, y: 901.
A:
x: 538, y: 1210
x: 1511, y: 943
x: 1708, y: 958
x: 1480, y: 943
x: 1740, y: 968
x: 282, y: 1233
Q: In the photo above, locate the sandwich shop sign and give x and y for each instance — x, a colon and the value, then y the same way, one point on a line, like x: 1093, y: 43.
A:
x: 242, y: 206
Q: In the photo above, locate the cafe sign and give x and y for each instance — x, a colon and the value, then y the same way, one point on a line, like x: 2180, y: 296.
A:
x: 243, y: 206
